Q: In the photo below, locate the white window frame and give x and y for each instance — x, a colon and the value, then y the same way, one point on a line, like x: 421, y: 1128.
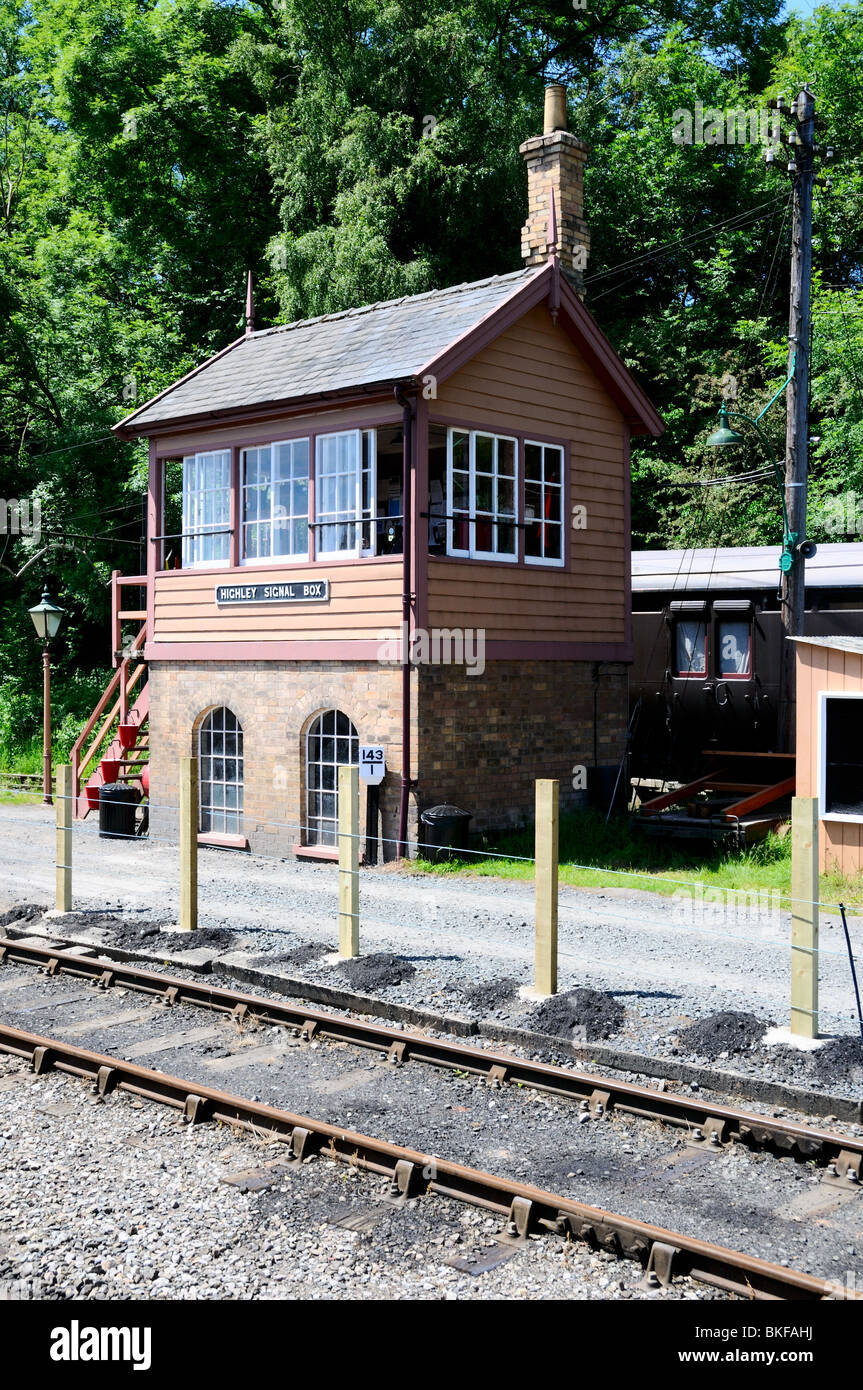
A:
x: 472, y: 553
x: 288, y: 557
x: 361, y: 516
x: 205, y: 803
x: 193, y: 529
x: 823, y: 813
x: 322, y: 821
x: 544, y: 560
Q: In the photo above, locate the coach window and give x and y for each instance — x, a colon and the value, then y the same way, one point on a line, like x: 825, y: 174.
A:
x: 841, y: 757
x: 734, y: 641
x: 332, y: 742
x: 690, y: 647
x: 220, y: 751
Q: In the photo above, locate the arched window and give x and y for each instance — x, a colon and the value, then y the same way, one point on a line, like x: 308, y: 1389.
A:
x: 220, y: 752
x: 332, y: 741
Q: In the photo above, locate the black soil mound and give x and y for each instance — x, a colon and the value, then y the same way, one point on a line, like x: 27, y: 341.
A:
x: 840, y: 1060
x: 377, y: 971
x: 491, y: 994
x: 301, y: 955
x: 202, y: 938
x: 723, y: 1032
x: 22, y: 912
x: 583, y: 1014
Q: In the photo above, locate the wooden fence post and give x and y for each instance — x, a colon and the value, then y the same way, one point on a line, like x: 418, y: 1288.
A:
x: 188, y: 844
x: 63, y: 795
x: 804, y: 916
x: 349, y: 861
x: 546, y: 853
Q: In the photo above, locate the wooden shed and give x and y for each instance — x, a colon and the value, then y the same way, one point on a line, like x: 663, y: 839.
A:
x: 403, y: 526
x: 830, y: 744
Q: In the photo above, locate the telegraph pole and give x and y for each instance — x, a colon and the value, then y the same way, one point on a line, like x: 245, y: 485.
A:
x: 801, y: 168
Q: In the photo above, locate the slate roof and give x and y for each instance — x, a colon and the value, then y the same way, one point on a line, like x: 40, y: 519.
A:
x: 835, y: 565
x: 384, y: 342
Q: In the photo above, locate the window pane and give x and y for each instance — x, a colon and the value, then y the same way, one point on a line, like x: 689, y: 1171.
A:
x: 460, y: 449
x: 483, y: 493
x: 532, y: 461
x: 844, y: 754
x: 690, y: 648
x: 734, y: 647
x: 484, y: 453
x: 553, y: 461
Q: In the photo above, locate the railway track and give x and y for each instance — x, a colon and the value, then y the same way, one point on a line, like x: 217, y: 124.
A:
x: 705, y: 1122
x: 525, y: 1209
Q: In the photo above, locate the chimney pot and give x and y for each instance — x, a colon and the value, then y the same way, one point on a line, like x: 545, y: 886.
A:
x: 554, y: 117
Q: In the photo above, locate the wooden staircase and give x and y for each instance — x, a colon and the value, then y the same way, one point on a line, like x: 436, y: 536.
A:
x: 119, y: 751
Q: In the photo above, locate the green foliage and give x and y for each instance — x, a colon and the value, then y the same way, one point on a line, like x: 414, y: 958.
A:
x: 153, y: 150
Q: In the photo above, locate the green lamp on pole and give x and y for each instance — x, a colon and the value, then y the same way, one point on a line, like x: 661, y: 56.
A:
x: 726, y: 436
x: 47, y: 617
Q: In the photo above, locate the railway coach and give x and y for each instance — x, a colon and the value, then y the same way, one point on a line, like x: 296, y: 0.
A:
x: 707, y: 643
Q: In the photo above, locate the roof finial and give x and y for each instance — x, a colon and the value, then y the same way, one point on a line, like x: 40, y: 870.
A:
x: 250, y: 305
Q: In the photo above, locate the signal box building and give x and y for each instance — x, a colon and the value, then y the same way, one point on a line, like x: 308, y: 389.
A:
x: 403, y: 526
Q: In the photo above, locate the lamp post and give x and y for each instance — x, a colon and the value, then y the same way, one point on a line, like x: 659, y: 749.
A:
x: 47, y: 618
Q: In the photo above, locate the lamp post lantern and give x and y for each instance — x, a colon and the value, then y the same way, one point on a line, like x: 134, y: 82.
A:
x: 47, y: 617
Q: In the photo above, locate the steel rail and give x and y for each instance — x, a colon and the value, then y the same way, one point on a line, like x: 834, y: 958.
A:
x: 412, y: 1173
x: 707, y: 1123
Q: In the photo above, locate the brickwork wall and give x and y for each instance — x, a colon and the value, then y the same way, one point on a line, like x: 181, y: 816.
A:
x: 485, y: 739
x: 274, y: 702
x: 478, y: 741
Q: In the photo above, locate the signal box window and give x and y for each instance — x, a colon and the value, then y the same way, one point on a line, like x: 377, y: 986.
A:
x: 842, y: 754
x: 690, y: 648
x: 735, y: 648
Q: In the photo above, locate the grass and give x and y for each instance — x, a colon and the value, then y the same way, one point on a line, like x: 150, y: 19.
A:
x: 626, y: 859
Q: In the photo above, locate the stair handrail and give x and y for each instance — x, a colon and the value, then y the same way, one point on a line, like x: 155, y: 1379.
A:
x: 115, y: 710
x: 119, y: 682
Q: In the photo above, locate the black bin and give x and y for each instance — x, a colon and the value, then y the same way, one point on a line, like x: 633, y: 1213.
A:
x: 117, y: 805
x: 444, y: 831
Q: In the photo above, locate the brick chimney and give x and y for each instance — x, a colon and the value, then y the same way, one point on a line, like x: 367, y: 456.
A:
x: 555, y: 192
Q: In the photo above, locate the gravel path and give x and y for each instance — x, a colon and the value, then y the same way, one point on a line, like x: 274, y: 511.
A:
x: 463, y: 934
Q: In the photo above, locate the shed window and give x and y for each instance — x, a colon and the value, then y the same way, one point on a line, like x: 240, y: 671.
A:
x: 842, y: 753
x: 332, y: 742
x: 276, y: 501
x: 220, y: 752
x: 735, y: 645
x: 690, y: 648
x: 481, y: 485
x: 206, y: 508
x: 345, y: 493
x: 543, y: 503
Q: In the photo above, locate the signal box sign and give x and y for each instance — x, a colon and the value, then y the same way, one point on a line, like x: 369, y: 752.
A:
x: 297, y: 591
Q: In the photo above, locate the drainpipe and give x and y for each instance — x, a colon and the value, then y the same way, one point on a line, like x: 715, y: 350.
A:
x: 407, y: 506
